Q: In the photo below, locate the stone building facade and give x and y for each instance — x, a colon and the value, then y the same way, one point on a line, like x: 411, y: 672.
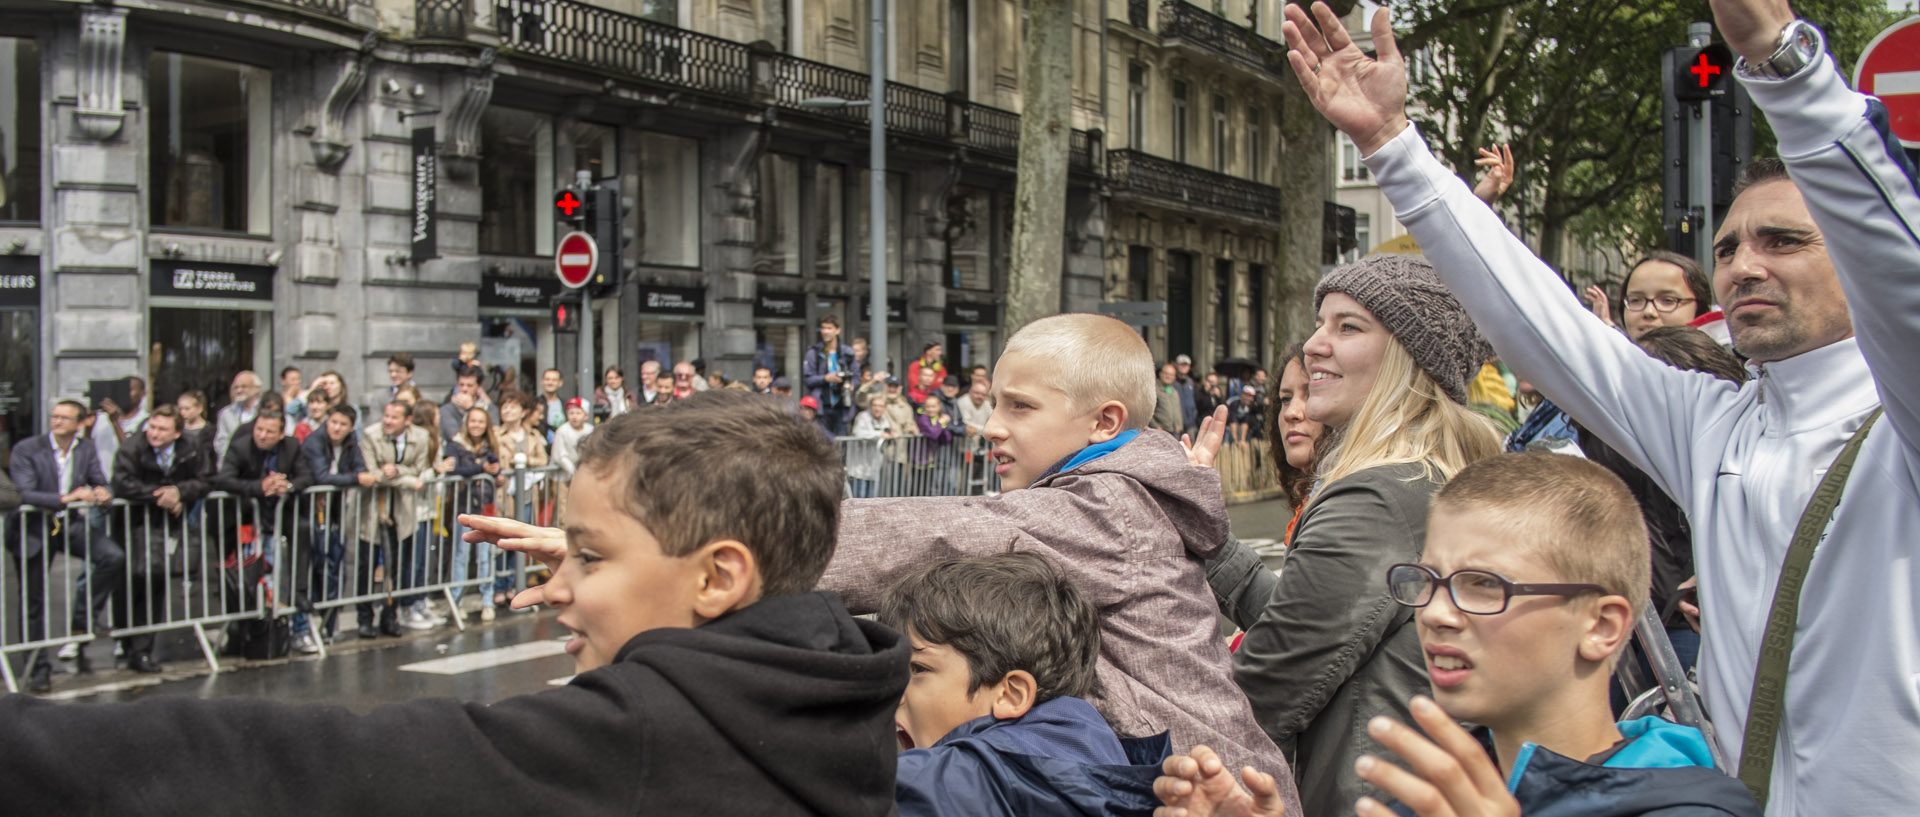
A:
x: 198, y: 186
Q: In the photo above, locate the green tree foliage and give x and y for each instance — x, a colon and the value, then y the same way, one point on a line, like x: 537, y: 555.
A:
x: 1575, y: 88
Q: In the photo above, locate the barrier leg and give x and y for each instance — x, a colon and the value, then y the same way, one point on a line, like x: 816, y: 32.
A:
x: 6, y: 669
x: 459, y: 621
x: 206, y: 646
x: 313, y: 632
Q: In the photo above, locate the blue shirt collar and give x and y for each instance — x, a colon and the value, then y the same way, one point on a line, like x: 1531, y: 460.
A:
x: 1091, y: 453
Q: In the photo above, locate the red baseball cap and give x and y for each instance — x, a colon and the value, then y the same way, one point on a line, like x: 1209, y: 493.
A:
x: 576, y: 403
x: 809, y: 402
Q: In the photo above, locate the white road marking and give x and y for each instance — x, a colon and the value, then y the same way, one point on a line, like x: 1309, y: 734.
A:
x: 1896, y: 82
x: 457, y: 664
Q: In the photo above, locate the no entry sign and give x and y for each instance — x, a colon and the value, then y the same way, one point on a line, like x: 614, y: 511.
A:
x: 1890, y: 70
x: 575, y: 259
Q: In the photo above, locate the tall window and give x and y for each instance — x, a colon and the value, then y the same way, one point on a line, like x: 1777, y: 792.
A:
x: 1139, y: 270
x: 596, y: 149
x: 669, y: 200
x: 1257, y: 311
x: 210, y: 143
x: 516, y: 176
x: 970, y: 231
x: 829, y: 221
x: 1222, y: 308
x: 1220, y: 133
x: 1136, y: 106
x: 1180, y: 123
x: 19, y: 130
x: 1362, y: 236
x: 1351, y: 168
x: 777, y: 249
x: 1256, y: 145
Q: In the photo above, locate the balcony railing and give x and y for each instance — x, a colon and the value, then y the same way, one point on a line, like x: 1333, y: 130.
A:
x: 623, y: 44
x: 1165, y: 179
x: 992, y: 130
x: 336, y: 9
x: 440, y: 19
x: 1184, y: 21
x: 909, y: 109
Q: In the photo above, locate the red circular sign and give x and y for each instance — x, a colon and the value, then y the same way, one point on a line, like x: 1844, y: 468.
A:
x: 575, y: 259
x: 1890, y: 70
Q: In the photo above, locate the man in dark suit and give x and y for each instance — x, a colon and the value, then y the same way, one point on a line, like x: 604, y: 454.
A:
x: 163, y: 476
x: 61, y: 473
x: 265, y: 467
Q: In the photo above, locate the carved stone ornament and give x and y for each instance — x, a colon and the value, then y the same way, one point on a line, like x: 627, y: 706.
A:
x: 103, y: 40
x: 329, y: 140
x: 463, y: 121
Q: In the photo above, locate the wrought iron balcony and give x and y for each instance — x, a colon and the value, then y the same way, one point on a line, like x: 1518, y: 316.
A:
x: 1180, y: 20
x: 992, y: 130
x: 337, y: 9
x: 623, y: 44
x: 1139, y: 13
x: 1170, y: 181
x: 440, y: 19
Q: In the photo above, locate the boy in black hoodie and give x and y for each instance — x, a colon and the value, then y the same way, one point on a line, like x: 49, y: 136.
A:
x: 710, y: 680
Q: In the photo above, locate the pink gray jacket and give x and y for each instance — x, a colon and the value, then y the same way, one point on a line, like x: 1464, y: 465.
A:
x: 1133, y: 528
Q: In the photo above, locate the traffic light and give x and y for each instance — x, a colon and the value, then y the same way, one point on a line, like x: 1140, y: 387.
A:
x: 566, y: 317
x: 1703, y: 73
x: 1700, y: 92
x: 571, y: 207
x: 607, y: 225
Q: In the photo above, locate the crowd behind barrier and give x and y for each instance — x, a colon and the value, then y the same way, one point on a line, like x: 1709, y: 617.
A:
x: 283, y: 566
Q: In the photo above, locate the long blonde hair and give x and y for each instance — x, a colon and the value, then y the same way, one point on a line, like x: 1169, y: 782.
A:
x: 1407, y: 418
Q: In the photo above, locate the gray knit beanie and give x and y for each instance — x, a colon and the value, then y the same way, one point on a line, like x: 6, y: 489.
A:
x: 1403, y: 292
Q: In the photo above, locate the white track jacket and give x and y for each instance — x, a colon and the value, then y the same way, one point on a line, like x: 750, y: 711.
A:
x: 1744, y: 461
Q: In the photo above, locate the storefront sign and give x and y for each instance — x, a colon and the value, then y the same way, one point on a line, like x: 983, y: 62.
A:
x: 497, y: 292
x: 959, y: 314
x: 780, y: 306
x: 20, y: 280
x: 193, y: 279
x: 426, y: 180
x: 659, y: 300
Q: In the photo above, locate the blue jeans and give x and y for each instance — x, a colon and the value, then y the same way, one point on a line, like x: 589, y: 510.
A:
x: 860, y: 488
x: 482, y: 555
x: 325, y: 552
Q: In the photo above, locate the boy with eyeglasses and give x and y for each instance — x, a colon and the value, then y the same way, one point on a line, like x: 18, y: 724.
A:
x: 1534, y: 571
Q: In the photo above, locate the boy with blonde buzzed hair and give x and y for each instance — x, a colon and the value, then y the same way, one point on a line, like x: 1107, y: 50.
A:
x: 1116, y: 507
x: 1534, y: 573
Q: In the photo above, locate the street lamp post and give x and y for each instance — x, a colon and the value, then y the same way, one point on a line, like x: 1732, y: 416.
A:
x: 876, y: 184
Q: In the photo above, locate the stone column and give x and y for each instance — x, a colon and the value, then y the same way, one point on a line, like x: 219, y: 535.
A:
x: 98, y: 222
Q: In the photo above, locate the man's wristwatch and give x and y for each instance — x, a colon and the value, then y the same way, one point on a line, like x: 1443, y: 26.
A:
x: 1800, y: 44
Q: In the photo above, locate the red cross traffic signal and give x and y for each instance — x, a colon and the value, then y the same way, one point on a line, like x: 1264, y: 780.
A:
x: 1704, y: 74
x: 569, y: 207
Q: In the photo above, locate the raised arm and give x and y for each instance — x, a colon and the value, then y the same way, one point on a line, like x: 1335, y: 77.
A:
x: 1646, y: 410
x: 1862, y: 193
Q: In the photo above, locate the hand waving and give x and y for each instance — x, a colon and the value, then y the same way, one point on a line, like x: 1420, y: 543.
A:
x: 1499, y: 164
x: 1597, y: 301
x: 1362, y: 96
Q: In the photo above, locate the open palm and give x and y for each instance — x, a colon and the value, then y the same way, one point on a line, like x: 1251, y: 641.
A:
x: 1363, y: 96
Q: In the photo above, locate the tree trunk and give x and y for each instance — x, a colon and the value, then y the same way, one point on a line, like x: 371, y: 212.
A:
x: 1305, y: 183
x: 1040, y: 190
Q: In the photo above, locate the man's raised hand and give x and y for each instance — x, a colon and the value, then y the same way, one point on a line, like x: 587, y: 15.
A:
x: 1362, y: 96
x: 546, y: 545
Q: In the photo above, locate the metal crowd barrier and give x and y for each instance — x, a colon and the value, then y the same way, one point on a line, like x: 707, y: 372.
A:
x: 1246, y: 468
x: 230, y: 559
x: 913, y: 465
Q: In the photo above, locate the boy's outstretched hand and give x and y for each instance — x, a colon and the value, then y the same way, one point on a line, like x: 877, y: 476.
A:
x: 547, y: 545
x: 1213, y: 430
x: 1362, y: 96
x: 1452, y: 775
x: 1197, y: 784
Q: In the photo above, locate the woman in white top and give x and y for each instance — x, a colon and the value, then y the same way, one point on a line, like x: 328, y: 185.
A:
x: 864, y: 464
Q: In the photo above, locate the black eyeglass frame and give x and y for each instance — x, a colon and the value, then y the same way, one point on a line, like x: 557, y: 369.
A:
x: 1655, y: 302
x: 1509, y: 589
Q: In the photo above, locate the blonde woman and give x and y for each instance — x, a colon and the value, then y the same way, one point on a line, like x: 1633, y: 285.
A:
x: 1326, y: 648
x: 471, y: 453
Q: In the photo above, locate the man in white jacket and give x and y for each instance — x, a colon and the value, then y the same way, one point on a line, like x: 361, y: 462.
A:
x: 1791, y: 258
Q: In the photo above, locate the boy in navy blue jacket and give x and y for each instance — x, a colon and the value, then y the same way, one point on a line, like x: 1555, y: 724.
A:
x: 994, y: 720
x: 1535, y: 568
